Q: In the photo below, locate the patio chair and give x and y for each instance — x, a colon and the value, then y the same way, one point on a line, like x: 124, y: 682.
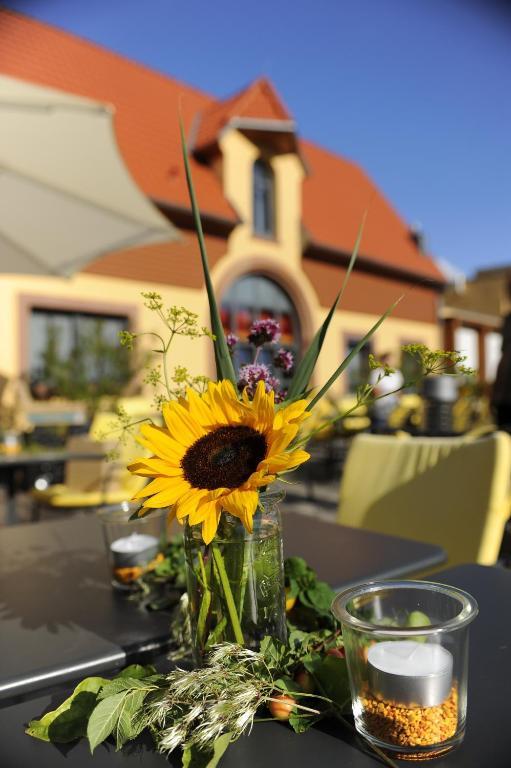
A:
x: 90, y: 483
x: 453, y: 492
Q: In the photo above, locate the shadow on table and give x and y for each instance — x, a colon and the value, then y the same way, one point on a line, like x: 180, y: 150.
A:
x: 52, y: 591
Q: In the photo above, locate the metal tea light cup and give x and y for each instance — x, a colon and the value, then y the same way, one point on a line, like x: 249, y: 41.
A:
x: 133, y: 546
x: 406, y: 645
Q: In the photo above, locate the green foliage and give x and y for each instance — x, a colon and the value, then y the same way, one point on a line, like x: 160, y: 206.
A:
x: 194, y: 757
x: 331, y: 676
x: 69, y: 721
x: 96, y: 367
x: 438, y: 361
x: 313, y: 597
x: 306, y: 367
x: 224, y: 366
x: 354, y: 352
x: 177, y: 321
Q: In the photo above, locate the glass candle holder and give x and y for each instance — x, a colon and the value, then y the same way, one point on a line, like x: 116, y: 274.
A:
x: 133, y: 546
x: 406, y: 645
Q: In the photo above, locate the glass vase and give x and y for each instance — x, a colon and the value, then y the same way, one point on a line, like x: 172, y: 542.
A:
x: 236, y: 583
x: 406, y: 646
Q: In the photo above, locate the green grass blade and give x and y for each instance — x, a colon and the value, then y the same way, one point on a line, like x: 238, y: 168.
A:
x: 350, y: 357
x: 224, y: 366
x: 306, y: 367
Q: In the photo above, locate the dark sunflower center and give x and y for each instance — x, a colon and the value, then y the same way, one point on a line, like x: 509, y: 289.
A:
x: 224, y: 458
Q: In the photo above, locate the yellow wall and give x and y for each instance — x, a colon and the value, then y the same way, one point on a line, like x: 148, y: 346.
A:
x: 279, y: 259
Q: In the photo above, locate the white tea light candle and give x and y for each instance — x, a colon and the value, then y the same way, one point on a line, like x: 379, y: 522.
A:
x: 410, y: 673
x: 136, y: 549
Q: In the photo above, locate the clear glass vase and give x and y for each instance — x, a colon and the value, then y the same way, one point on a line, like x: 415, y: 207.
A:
x: 236, y: 583
x: 406, y: 646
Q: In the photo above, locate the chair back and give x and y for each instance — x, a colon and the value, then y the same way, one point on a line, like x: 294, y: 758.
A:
x: 86, y: 475
x: 453, y: 492
x: 103, y: 429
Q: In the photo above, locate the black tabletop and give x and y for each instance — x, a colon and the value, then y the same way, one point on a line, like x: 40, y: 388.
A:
x: 487, y: 742
x: 344, y: 556
x: 59, y: 614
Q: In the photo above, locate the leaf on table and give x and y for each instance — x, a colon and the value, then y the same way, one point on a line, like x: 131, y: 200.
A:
x: 125, y: 730
x: 193, y: 757
x: 115, y: 714
x: 69, y: 721
x: 104, y: 719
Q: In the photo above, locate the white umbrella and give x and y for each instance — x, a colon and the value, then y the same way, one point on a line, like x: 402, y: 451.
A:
x: 66, y: 196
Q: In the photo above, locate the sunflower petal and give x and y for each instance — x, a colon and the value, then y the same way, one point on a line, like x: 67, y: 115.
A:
x: 242, y: 504
x: 199, y: 409
x: 210, y: 526
x: 181, y: 424
x: 159, y: 441
x: 153, y: 467
x: 155, y: 486
x: 190, y: 501
x: 282, y: 462
x: 279, y: 441
x: 171, y: 495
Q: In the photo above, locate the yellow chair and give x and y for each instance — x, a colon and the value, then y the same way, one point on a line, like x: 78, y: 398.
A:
x: 93, y: 482
x: 453, y: 492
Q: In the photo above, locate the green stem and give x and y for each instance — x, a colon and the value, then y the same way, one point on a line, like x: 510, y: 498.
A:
x: 231, y: 607
x: 204, y: 605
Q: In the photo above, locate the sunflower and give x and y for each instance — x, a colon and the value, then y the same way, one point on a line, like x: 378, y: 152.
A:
x: 215, y: 452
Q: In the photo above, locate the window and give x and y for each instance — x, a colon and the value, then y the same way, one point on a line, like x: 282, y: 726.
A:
x: 255, y: 297
x: 358, y: 369
x: 263, y: 199
x: 77, y: 350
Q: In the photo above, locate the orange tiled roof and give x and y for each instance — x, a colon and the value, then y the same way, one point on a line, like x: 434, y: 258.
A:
x: 258, y: 101
x: 336, y: 191
x: 335, y: 195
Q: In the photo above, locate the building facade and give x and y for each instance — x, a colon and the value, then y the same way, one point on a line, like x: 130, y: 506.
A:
x: 473, y: 315
x: 280, y: 216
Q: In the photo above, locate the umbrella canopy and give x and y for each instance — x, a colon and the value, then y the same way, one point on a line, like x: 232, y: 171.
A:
x: 66, y: 196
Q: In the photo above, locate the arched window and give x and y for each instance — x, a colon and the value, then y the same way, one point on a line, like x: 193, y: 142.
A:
x: 263, y: 199
x: 254, y: 297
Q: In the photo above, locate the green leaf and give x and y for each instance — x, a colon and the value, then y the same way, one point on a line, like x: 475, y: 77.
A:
x: 126, y: 684
x: 125, y: 729
x: 119, y: 701
x: 306, y: 367
x: 347, y: 360
x: 193, y: 757
x: 320, y: 597
x: 295, y: 567
x: 300, y: 722
x: 69, y: 721
x: 104, y: 719
x: 273, y: 651
x: 136, y: 671
x: 224, y: 366
x: 331, y: 676
x: 288, y: 685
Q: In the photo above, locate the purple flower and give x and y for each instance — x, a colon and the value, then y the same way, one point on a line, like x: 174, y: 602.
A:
x: 252, y: 373
x: 285, y: 360
x: 263, y: 331
x: 231, y: 340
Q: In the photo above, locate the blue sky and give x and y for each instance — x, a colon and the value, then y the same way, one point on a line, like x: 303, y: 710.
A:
x: 416, y: 91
